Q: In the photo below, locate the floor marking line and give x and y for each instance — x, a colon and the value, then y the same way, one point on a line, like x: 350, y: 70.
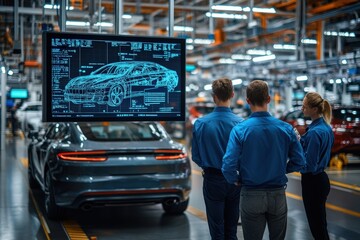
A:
x: 74, y: 230
x: 336, y: 183
x: 343, y: 210
x: 41, y: 217
x: 297, y: 197
x: 197, y: 213
x: 332, y: 182
x: 196, y: 172
x: 24, y: 162
x: 328, y: 205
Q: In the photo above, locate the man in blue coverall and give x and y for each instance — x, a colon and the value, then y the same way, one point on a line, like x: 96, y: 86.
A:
x: 210, y: 137
x: 261, y: 150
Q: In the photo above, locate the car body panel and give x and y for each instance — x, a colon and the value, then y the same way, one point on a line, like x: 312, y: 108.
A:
x: 29, y: 115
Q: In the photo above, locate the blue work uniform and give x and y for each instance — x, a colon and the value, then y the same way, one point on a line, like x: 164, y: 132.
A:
x: 317, y: 143
x: 261, y: 150
x: 210, y: 138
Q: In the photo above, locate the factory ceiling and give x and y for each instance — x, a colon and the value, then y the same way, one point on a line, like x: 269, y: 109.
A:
x: 274, y: 39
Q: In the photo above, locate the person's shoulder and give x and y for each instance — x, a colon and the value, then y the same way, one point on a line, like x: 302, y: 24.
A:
x: 204, y: 119
x: 321, y: 129
x: 236, y: 117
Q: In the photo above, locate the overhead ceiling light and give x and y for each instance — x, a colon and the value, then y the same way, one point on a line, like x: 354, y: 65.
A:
x: 264, y: 58
x: 77, y: 23
x: 308, y: 41
x: 227, y: 61
x: 240, y: 57
x: 86, y: 24
x: 341, y: 34
x: 227, y: 8
x: 258, y: 52
x: 205, y: 63
x: 183, y: 29
x: 126, y: 16
x: 284, y: 46
x: 237, y: 81
x: 189, y: 47
x: 207, y: 87
x: 302, y: 78
x: 242, y: 9
x: 199, y: 41
x: 226, y: 15
x: 264, y: 10
x: 104, y: 24
x: 53, y: 6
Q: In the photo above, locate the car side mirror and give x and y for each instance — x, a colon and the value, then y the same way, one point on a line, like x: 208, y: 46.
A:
x: 33, y: 134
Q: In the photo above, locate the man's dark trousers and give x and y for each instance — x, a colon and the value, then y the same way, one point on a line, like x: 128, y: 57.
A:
x: 222, y: 205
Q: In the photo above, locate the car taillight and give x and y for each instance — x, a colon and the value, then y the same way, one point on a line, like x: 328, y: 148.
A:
x: 169, y: 154
x: 91, y: 156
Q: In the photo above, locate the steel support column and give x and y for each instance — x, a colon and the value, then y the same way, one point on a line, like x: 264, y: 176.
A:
x: 171, y: 18
x: 119, y: 10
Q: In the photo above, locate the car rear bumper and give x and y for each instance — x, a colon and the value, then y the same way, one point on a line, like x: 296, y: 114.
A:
x: 82, y: 192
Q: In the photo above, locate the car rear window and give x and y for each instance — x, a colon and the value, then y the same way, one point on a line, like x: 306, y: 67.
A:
x: 33, y: 108
x: 347, y: 114
x: 121, y: 131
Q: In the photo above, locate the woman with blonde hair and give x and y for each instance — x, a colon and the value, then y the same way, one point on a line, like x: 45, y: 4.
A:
x: 317, y: 143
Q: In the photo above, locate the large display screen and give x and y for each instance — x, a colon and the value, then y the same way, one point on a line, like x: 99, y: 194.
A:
x: 97, y: 77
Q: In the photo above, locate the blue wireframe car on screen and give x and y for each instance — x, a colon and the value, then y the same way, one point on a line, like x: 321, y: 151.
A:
x: 114, y: 82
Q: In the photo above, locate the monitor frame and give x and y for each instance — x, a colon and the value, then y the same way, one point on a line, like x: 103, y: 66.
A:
x: 47, y: 65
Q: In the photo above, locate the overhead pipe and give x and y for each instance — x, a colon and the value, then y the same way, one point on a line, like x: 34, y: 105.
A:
x: 320, y: 41
x: 332, y: 5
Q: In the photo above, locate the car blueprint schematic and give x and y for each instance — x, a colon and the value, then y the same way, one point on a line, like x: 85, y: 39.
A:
x: 114, y: 82
x: 97, y: 77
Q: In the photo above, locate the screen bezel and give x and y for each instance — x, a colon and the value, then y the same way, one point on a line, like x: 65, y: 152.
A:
x: 47, y: 77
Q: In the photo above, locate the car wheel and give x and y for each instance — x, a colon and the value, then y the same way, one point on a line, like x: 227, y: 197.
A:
x: 116, y: 96
x: 52, y: 210
x: 32, y: 181
x: 173, y: 207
